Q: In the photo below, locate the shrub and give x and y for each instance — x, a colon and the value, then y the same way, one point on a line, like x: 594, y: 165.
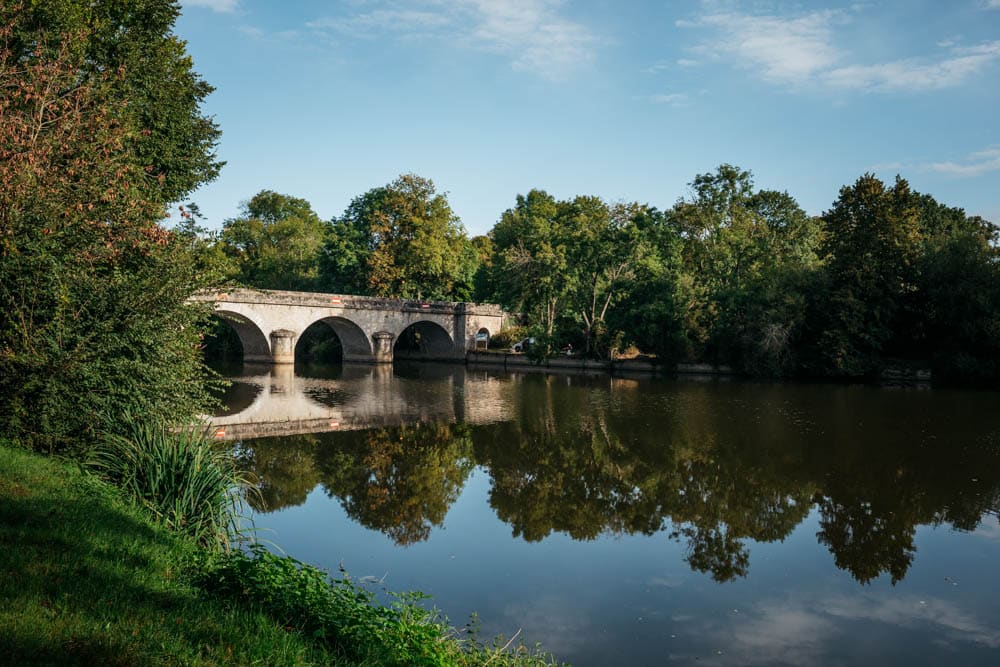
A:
x: 505, y: 338
x: 346, y: 618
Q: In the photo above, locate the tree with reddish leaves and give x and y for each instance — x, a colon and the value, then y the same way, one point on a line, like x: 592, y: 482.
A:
x: 93, y: 320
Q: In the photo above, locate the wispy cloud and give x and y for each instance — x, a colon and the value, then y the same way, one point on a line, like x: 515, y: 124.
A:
x: 215, y: 5
x: 991, y: 4
x: 976, y: 164
x: 375, y: 23
x: 780, y: 49
x: 805, y: 50
x: 251, y: 31
x: 914, y: 74
x: 657, y: 67
x: 533, y: 35
x: 675, y: 100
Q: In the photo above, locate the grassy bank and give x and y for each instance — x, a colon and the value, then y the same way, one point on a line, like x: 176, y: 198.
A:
x: 87, y: 578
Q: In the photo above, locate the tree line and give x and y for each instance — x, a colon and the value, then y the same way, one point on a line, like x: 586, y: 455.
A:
x: 729, y: 274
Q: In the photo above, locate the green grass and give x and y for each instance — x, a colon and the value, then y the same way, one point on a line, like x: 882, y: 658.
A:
x: 88, y: 578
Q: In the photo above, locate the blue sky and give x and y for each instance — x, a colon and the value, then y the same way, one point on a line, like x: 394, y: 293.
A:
x: 627, y: 100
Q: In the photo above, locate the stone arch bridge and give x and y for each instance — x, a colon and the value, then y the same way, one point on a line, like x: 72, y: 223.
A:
x: 269, y: 324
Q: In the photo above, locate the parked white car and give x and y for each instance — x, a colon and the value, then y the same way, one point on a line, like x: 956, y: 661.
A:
x: 523, y: 345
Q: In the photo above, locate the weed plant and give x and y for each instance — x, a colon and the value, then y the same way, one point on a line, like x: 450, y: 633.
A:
x: 186, y: 482
x: 346, y: 619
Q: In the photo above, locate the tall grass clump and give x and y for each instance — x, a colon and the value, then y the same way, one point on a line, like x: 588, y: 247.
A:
x: 179, y: 476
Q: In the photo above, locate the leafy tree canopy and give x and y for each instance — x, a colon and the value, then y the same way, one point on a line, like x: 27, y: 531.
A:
x: 170, y: 139
x: 275, y: 242
x: 400, y: 240
x: 93, y: 320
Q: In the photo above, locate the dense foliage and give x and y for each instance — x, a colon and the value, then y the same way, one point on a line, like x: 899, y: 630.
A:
x: 158, y: 92
x: 92, y: 289
x: 400, y: 240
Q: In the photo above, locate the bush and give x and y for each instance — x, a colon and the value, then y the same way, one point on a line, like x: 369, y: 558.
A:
x: 505, y: 338
x: 346, y: 619
x: 180, y: 477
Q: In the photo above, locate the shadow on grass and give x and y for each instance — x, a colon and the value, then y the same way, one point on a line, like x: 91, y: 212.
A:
x: 83, y: 581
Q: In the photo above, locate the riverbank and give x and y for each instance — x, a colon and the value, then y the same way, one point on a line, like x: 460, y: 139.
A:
x: 87, y: 579
x: 636, y: 366
x: 90, y: 579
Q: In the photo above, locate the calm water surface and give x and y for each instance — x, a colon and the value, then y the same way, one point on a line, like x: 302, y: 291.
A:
x: 645, y: 522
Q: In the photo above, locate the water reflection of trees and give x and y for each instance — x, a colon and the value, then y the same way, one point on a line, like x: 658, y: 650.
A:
x: 583, y: 466
x: 398, y: 480
x: 402, y: 480
x: 592, y: 462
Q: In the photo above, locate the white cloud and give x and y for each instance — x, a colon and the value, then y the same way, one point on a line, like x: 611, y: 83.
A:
x: 959, y: 65
x: 675, y: 100
x: 215, y: 5
x: 781, y: 50
x: 372, y: 24
x: 251, y: 31
x: 532, y: 34
x: 976, y: 164
x: 805, y: 51
x: 991, y: 4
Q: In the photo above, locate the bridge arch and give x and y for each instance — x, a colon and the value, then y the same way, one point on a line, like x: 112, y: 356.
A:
x: 424, y: 339
x: 256, y: 347
x: 353, y: 339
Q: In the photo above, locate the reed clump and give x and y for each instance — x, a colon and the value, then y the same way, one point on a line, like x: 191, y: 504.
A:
x: 181, y: 477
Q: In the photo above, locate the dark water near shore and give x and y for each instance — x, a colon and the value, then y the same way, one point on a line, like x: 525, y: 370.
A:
x: 645, y: 522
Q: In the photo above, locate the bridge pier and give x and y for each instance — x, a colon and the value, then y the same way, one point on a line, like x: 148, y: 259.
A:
x: 382, y: 344
x: 283, y: 347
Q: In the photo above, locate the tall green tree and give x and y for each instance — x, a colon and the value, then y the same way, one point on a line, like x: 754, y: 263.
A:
x: 746, y: 257
x: 171, y: 139
x: 651, y: 313
x: 873, y: 243
x: 400, y: 240
x: 605, y: 247
x: 531, y: 258
x: 276, y: 242
x: 955, y: 324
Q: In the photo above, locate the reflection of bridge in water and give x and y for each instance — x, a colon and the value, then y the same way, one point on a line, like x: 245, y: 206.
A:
x: 273, y: 400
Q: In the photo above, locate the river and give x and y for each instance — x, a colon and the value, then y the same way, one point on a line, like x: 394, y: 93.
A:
x: 639, y: 521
